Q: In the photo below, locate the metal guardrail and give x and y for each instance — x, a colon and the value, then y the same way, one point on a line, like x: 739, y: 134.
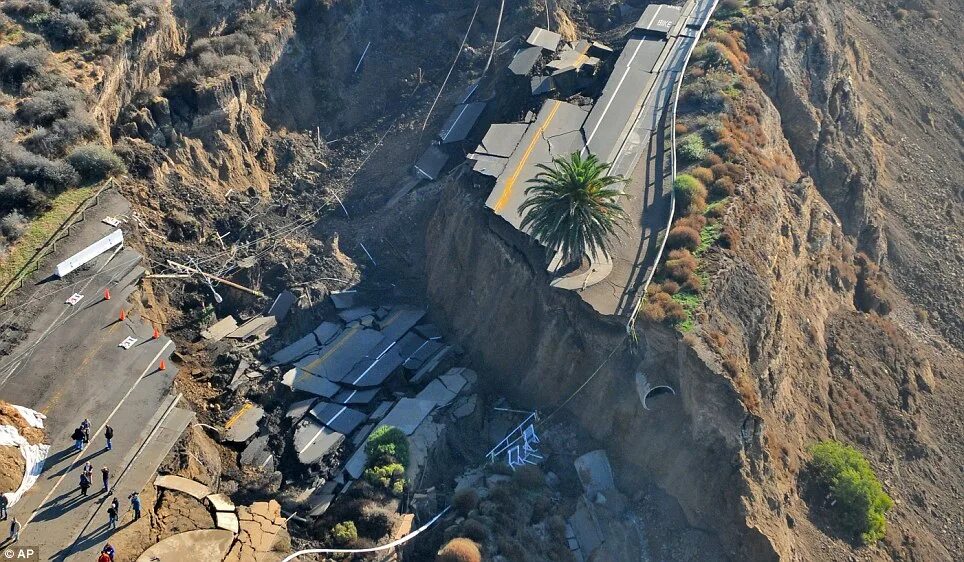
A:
x: 631, y: 324
x: 50, y: 245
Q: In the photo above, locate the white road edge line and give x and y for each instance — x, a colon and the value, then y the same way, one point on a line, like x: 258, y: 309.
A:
x: 99, y: 430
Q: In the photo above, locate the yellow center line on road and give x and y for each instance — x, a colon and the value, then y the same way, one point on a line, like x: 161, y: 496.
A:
x: 507, y: 190
x: 347, y: 335
x: 234, y: 419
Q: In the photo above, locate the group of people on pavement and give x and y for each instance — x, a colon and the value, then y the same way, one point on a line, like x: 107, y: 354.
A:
x: 81, y: 435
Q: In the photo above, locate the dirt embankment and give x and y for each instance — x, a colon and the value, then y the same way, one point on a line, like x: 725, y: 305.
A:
x: 12, y: 464
x: 871, y: 102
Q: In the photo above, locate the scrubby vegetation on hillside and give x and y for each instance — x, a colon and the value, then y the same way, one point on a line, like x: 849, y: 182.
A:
x: 48, y: 141
x: 857, y: 500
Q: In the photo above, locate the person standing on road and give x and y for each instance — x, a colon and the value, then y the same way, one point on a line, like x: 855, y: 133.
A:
x: 112, y: 515
x: 105, y: 474
x: 4, y: 502
x: 115, y: 504
x: 108, y: 434
x: 78, y: 437
x: 135, y: 505
x: 85, y: 427
x: 14, y: 530
x: 84, y: 483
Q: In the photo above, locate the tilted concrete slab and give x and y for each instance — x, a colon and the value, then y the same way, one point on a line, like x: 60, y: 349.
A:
x: 502, y: 138
x: 296, y: 350
x: 437, y: 393
x: 220, y: 502
x: 356, y: 313
x: 243, y: 424
x: 300, y: 408
x: 461, y: 121
x: 343, y: 299
x: 338, y: 358
x: 220, y: 329
x: 381, y: 410
x: 487, y: 165
x: 304, y: 381
x: 281, y: 305
x: 337, y: 417
x: 356, y: 397
x: 257, y: 455
x: 454, y: 380
x: 227, y: 521
x: 658, y: 19
x: 524, y: 60
x: 408, y: 414
x: 422, y: 354
x: 595, y: 472
x: 203, y: 544
x: 548, y: 40
x: 180, y: 484
x: 398, y: 321
x: 312, y: 440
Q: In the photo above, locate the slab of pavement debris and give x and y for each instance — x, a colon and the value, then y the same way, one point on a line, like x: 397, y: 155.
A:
x: 243, y: 424
x: 298, y: 409
x: 343, y: 299
x: 408, y: 414
x: 594, y: 472
x: 356, y: 313
x: 313, y: 440
x: 429, y: 366
x: 400, y: 320
x: 254, y: 327
x: 237, y: 379
x: 321, y: 499
x: 337, y: 359
x: 355, y: 466
x: 227, y: 521
x: 544, y: 38
x: 350, y: 397
x: 429, y: 331
x: 220, y: 329
x: 256, y: 454
x: 585, y: 529
x: 454, y: 380
x: 338, y: 418
x: 202, y: 544
x: 220, y: 502
x: 304, y: 381
x: 281, y: 305
x: 296, y: 350
x: 194, y: 489
x: 437, y: 393
x: 381, y: 410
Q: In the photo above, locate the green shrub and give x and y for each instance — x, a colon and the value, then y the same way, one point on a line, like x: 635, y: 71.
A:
x: 388, y: 476
x: 861, y: 503
x: 94, y: 162
x: 690, y: 193
x: 459, y: 550
x: 387, y: 444
x: 692, y: 148
x: 344, y: 533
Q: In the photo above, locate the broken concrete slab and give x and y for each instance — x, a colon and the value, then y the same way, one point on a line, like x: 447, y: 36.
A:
x: 362, y: 434
x: 501, y: 139
x: 381, y: 410
x: 338, y: 358
x: 338, y: 418
x: 326, y: 332
x: 524, y: 60
x: 437, y: 393
x: 400, y: 320
x: 296, y: 350
x: 343, y: 299
x: 256, y: 454
x: 237, y: 379
x: 220, y: 502
x: 281, y: 305
x: 427, y: 370
x: 257, y: 326
x: 541, y: 85
x: 300, y: 408
x: 320, y: 501
x: 220, y: 329
x: 355, y: 466
x: 312, y: 440
x: 453, y: 380
x: 356, y: 397
x: 356, y: 313
x: 304, y: 381
x: 202, y: 544
x: 595, y: 472
x: 194, y: 489
x: 243, y: 424
x: 548, y: 40
x: 422, y: 354
x: 584, y: 529
x: 408, y: 414
x: 465, y: 407
x: 429, y: 331
x: 227, y: 521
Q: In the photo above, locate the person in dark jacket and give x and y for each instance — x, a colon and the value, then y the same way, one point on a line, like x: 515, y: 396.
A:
x: 105, y: 474
x: 4, y: 502
x: 78, y: 437
x: 84, y: 483
x: 85, y: 427
x: 112, y: 516
x: 108, y: 434
x: 136, y: 505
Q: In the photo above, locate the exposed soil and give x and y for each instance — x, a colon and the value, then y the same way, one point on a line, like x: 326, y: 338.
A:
x: 12, y: 467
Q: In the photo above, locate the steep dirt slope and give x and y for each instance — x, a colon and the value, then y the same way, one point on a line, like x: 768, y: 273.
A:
x: 870, y: 94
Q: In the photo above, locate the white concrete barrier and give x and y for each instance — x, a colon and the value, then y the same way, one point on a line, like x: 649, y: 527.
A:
x: 113, y: 239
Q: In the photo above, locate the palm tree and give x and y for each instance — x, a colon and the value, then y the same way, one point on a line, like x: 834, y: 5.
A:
x: 574, y: 207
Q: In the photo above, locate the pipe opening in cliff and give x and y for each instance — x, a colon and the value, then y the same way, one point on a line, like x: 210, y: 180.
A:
x: 657, y: 391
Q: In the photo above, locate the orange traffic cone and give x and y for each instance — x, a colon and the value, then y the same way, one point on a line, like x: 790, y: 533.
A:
x: 162, y: 366
x: 106, y: 294
x: 123, y: 315
x: 156, y: 334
